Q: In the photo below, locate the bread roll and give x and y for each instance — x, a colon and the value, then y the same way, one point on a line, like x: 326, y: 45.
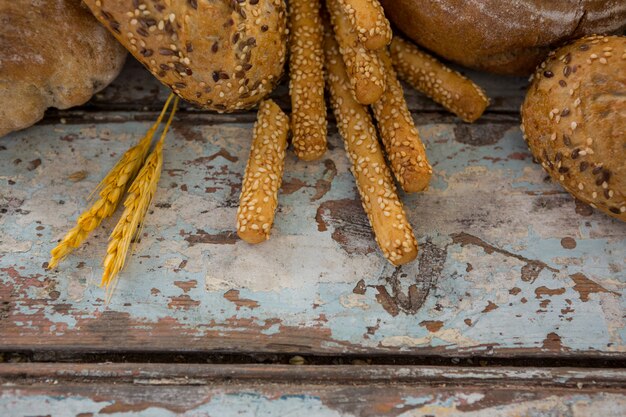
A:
x: 53, y: 53
x: 221, y: 55
x: 574, y: 120
x: 508, y: 37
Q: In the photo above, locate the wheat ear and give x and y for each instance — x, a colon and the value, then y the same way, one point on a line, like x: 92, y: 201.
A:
x: 136, y: 205
x: 110, y: 190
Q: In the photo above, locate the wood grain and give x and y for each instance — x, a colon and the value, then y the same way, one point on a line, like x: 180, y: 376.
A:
x: 174, y: 374
x: 203, y: 390
x: 136, y: 89
x: 511, y: 265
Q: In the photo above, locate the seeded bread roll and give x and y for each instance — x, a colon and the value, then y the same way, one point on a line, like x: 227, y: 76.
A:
x: 384, y: 209
x: 507, y: 37
x: 221, y: 55
x: 53, y: 53
x: 574, y: 120
x: 447, y: 87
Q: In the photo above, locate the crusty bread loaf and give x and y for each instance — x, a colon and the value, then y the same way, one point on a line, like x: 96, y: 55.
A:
x: 574, y: 120
x: 221, y: 55
x: 53, y: 53
x: 509, y: 37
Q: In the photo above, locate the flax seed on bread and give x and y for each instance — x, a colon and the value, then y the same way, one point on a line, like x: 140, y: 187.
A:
x: 574, y: 120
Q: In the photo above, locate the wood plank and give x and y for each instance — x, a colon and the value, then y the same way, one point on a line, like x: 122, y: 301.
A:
x: 231, y: 390
x: 510, y: 265
x: 26, y: 373
x: 137, y: 89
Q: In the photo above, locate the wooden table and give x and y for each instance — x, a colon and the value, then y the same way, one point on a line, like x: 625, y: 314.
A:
x: 515, y: 306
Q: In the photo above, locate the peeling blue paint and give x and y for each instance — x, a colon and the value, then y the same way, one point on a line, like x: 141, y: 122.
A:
x: 225, y: 405
x: 253, y: 402
x: 303, y: 278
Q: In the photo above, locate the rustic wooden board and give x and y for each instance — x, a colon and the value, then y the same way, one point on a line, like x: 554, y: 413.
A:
x: 509, y: 265
x: 230, y: 390
x: 136, y: 89
x: 26, y: 373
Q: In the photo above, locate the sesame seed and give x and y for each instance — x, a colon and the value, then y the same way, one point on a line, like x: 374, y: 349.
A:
x: 373, y: 177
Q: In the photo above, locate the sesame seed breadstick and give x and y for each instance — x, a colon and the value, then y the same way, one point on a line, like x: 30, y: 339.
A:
x: 365, y: 71
x: 306, y: 84
x: 393, y: 232
x: 404, y: 148
x: 445, y: 86
x: 367, y: 18
x: 264, y: 174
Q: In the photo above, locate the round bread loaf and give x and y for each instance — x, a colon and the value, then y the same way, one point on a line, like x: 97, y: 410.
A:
x: 53, y: 53
x: 222, y: 55
x: 508, y: 37
x: 574, y: 120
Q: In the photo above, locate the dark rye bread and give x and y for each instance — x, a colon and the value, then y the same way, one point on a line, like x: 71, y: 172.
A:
x: 53, y: 53
x: 574, y: 120
x: 508, y: 37
x: 222, y: 55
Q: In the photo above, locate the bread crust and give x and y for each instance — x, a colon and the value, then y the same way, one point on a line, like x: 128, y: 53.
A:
x: 508, y: 37
x: 574, y: 120
x: 53, y: 53
x: 221, y: 55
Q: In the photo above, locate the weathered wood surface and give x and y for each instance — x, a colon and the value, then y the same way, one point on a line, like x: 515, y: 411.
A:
x: 231, y: 390
x: 509, y: 265
x: 137, y: 90
x: 25, y: 373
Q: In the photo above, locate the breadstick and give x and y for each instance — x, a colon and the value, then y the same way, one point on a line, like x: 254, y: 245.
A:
x: 392, y: 230
x: 447, y: 87
x: 404, y: 148
x: 306, y: 84
x: 367, y: 18
x: 364, y: 68
x: 264, y: 174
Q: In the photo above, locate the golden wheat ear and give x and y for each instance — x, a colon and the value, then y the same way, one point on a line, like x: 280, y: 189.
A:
x: 110, y: 191
x: 140, y: 195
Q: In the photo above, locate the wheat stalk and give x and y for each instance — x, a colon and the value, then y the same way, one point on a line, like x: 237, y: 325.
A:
x: 136, y: 205
x: 110, y: 190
